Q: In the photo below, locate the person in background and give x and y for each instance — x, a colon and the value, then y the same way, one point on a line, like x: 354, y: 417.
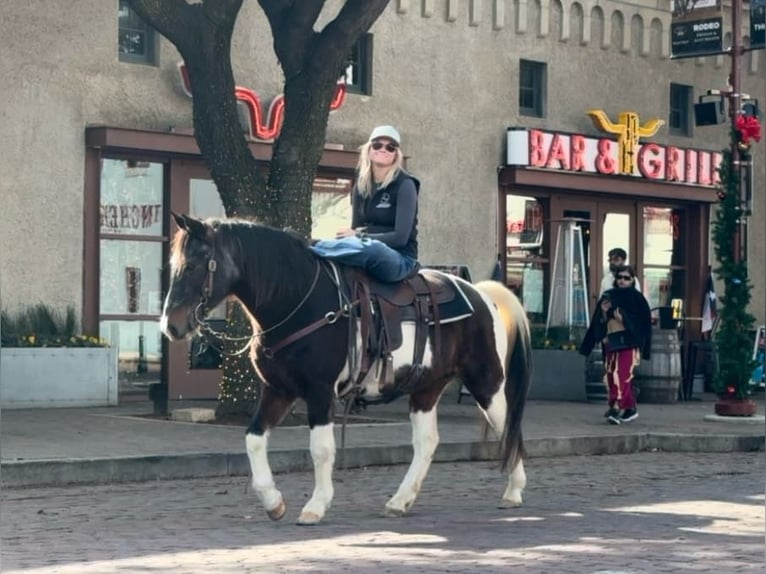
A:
x: 383, y: 237
x: 622, y: 322
x: 617, y: 258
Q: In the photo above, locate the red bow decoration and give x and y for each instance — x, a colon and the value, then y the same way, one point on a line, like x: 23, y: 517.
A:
x: 749, y: 129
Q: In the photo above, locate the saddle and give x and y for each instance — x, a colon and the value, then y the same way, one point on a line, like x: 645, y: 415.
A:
x: 426, y: 298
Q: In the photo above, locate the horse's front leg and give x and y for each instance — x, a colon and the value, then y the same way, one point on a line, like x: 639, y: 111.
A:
x: 425, y: 439
x: 322, y: 447
x: 271, y: 409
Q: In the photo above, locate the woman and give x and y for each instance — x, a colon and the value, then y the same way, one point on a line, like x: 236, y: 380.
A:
x: 383, y: 238
x: 623, y: 323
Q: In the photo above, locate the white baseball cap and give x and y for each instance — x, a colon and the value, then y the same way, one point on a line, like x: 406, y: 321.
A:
x: 386, y: 132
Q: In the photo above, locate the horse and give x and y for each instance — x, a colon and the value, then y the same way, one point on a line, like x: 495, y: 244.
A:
x: 295, y: 302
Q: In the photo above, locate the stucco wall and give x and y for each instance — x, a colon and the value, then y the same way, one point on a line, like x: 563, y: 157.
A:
x: 445, y: 72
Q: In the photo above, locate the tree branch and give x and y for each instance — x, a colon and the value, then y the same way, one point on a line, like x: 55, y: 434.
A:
x: 173, y: 19
x: 355, y: 18
x: 292, y: 25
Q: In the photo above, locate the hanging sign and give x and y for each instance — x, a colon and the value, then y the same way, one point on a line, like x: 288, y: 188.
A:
x: 757, y: 24
x: 696, y: 28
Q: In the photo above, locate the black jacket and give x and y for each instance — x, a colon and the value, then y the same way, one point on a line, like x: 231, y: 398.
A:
x: 385, y: 218
x: 637, y: 318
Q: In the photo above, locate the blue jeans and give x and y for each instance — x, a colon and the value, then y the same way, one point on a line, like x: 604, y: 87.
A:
x: 375, y: 257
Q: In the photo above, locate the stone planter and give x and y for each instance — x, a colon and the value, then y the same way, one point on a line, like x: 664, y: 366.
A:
x: 726, y: 407
x: 58, y: 377
x: 557, y: 375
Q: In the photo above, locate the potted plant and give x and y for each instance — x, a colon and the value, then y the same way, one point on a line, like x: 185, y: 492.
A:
x: 48, y: 362
x: 732, y: 340
x: 559, y: 370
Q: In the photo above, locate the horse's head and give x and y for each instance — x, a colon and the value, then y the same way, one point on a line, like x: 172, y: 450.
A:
x: 202, y: 275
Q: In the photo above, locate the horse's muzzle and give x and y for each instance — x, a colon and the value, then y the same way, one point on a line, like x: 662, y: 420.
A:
x: 174, y: 330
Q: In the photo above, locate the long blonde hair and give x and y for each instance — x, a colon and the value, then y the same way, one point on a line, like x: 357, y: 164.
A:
x: 364, y: 179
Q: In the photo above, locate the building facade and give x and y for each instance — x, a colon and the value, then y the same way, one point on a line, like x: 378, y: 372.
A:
x: 98, y: 150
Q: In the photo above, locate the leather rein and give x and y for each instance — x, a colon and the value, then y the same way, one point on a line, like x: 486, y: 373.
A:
x: 328, y: 319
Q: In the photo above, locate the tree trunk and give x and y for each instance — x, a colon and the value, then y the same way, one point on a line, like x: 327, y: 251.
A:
x: 299, y: 148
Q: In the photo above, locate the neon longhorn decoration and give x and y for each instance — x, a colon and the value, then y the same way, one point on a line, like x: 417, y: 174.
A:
x: 276, y: 112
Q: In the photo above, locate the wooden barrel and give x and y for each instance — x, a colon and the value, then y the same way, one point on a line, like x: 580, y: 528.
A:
x: 595, y: 388
x: 658, y: 380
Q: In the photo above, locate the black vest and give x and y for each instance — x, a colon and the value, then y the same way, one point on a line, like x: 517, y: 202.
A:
x: 377, y: 213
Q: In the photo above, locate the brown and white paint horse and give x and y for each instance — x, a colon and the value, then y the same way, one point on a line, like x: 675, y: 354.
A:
x: 285, y: 287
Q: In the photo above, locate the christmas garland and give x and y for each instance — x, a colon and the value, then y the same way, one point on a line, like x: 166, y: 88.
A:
x: 733, y: 340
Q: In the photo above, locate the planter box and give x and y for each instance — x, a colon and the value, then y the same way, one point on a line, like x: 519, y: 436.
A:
x: 58, y: 377
x: 558, y: 375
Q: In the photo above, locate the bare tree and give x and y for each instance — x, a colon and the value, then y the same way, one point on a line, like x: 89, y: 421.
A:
x: 312, y: 62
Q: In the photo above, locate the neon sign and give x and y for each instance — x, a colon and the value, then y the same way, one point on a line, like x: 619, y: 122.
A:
x: 584, y: 154
x: 257, y: 128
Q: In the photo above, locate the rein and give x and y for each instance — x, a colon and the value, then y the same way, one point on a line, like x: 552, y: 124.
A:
x: 207, y: 290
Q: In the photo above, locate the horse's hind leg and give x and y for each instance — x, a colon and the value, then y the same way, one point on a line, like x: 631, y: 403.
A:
x: 425, y: 439
x: 271, y: 409
x: 322, y: 448
x: 495, y: 408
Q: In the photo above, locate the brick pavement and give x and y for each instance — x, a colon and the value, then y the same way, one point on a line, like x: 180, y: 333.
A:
x: 637, y: 514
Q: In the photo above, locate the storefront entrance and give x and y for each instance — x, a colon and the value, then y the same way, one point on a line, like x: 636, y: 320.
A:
x: 133, y: 180
x: 651, y: 233
x: 665, y: 241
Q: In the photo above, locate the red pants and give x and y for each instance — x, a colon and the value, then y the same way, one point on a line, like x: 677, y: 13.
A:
x: 619, y: 376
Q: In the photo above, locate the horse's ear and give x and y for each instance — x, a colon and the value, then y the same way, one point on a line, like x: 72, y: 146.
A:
x: 180, y: 220
x: 194, y: 227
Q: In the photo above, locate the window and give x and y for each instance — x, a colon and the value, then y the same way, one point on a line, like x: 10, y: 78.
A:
x: 136, y: 40
x: 359, y: 68
x: 679, y: 121
x: 532, y: 80
x: 525, y: 263
x: 130, y: 264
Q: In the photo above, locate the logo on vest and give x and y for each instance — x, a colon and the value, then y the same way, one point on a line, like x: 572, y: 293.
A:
x: 385, y: 201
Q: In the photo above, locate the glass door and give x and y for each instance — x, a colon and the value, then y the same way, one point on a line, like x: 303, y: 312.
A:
x: 194, y: 369
x: 131, y: 245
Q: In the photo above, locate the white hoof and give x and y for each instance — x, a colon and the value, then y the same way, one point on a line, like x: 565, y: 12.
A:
x: 278, y: 512
x: 396, y: 510
x: 513, y: 501
x: 309, y: 518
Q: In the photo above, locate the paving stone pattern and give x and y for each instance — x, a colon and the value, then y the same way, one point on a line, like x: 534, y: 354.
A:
x: 643, y: 513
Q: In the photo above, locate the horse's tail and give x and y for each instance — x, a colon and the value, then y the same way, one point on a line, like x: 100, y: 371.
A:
x: 518, y: 367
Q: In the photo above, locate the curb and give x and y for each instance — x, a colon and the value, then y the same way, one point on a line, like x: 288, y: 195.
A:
x: 21, y: 474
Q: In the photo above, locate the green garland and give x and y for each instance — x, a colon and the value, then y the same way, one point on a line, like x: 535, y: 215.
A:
x: 733, y: 339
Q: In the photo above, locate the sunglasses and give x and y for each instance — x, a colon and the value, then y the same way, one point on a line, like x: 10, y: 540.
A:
x: 625, y: 277
x: 390, y: 147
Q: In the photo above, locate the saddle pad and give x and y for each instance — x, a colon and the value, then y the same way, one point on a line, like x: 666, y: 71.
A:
x: 454, y: 310
x: 459, y: 308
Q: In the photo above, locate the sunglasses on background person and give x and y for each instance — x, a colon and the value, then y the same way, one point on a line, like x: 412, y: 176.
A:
x: 624, y: 277
x: 390, y: 147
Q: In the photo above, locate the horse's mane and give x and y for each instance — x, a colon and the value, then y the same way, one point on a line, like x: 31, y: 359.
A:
x: 274, y: 263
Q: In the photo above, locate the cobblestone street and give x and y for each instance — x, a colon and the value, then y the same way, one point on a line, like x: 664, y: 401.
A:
x: 641, y: 513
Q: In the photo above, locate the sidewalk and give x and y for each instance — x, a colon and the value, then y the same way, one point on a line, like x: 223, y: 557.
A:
x: 62, y: 446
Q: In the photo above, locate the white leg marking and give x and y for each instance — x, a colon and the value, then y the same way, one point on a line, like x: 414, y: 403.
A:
x: 425, y: 439
x: 517, y: 479
x: 322, y: 447
x: 263, y: 481
x: 516, y: 483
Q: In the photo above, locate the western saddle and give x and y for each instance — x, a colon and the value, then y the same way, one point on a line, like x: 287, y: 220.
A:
x: 383, y: 307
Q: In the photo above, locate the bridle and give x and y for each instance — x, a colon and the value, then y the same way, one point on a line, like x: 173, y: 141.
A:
x: 201, y: 311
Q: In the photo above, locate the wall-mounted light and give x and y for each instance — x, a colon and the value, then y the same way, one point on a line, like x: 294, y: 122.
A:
x: 709, y: 111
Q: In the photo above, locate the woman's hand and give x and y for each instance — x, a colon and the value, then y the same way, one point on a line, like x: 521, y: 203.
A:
x: 617, y: 314
x: 345, y: 233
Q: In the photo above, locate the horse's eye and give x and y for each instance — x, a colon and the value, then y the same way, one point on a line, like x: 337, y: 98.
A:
x: 189, y: 267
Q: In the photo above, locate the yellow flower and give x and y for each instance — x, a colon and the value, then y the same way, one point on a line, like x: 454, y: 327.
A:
x: 31, y: 339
